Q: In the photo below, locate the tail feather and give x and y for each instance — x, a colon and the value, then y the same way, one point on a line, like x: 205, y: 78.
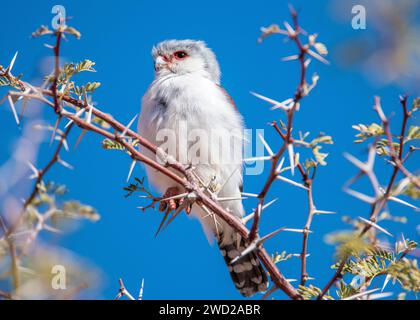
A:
x: 247, y: 273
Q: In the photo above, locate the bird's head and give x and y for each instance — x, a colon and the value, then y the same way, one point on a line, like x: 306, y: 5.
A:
x: 185, y: 56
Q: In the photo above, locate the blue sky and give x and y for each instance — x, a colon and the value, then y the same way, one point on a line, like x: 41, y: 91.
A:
x: 179, y: 263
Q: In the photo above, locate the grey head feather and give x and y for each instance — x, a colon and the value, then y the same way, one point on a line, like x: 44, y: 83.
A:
x: 195, y: 48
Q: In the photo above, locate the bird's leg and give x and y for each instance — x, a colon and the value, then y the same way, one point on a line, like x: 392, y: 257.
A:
x: 173, y: 199
x: 171, y: 203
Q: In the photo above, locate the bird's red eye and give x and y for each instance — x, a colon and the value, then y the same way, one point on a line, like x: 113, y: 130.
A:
x: 180, y: 55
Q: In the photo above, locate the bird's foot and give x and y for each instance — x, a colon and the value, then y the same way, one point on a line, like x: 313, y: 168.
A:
x: 173, y: 202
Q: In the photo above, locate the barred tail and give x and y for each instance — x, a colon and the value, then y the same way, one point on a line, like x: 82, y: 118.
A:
x: 247, y: 273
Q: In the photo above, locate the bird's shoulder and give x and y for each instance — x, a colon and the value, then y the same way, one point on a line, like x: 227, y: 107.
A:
x: 227, y: 96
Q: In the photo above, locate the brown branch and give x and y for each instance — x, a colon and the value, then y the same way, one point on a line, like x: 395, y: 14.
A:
x: 311, y: 212
x: 184, y: 178
x: 287, y: 137
x: 54, y: 86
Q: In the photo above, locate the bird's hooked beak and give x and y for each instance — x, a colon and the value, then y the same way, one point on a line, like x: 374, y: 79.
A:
x: 161, y: 62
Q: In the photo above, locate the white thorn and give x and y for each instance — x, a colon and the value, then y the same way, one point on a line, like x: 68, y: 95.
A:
x: 360, y: 196
x: 77, y: 115
x: 267, y: 147
x: 128, y: 126
x: 380, y: 295
x: 324, y: 212
x: 375, y: 226
x: 63, y: 141
x: 9, y: 68
x: 317, y: 56
x: 405, y: 203
x: 276, y: 104
x: 264, y: 158
x: 297, y: 230
x: 133, y: 164
x: 291, y: 158
x: 361, y: 294
x: 12, y: 106
x: 290, y: 31
x: 290, y: 58
x: 251, y: 215
x: 65, y: 164
x: 51, y: 229
x: 178, y: 196
x: 89, y: 115
x: 278, y: 169
x: 247, y: 194
x: 362, y: 166
x: 221, y: 199
x: 34, y: 170
x: 294, y: 183
x: 141, y: 290
x: 387, y: 278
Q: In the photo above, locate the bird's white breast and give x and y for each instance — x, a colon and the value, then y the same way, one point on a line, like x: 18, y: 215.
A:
x: 191, y: 100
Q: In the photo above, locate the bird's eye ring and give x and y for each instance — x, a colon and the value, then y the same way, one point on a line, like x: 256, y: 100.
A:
x: 180, y: 55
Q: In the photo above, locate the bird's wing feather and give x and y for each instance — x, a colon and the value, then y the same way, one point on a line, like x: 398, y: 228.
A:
x: 228, y: 97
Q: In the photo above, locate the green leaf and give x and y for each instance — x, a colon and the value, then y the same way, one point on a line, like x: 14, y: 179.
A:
x: 279, y: 257
x: 92, y: 86
x: 413, y: 133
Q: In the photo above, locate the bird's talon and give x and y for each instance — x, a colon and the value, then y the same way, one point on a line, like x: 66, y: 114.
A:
x: 172, y: 204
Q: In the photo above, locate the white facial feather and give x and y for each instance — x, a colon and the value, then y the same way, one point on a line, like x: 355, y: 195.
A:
x: 201, y: 59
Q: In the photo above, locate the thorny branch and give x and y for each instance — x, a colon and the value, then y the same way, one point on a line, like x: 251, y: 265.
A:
x: 382, y: 197
x: 125, y: 136
x: 8, y: 231
x: 61, y: 102
x: 290, y: 106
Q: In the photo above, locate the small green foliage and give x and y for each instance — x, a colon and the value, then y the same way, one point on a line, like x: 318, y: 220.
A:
x: 109, y: 144
x: 114, y: 145
x: 71, y: 69
x: 312, y: 292
x: 413, y: 133
x: 385, y: 215
x: 320, y: 156
x: 348, y: 244
x: 315, y: 145
x: 407, y: 273
x: 268, y: 31
x: 368, y: 131
x: 7, y: 79
x: 279, y: 257
x: 382, y: 147
x: 46, y: 199
x: 416, y: 104
x: 370, y: 261
x: 92, y: 86
x: 101, y: 122
x: 76, y: 210
x: 346, y: 290
x: 411, y: 190
x: 139, y: 186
